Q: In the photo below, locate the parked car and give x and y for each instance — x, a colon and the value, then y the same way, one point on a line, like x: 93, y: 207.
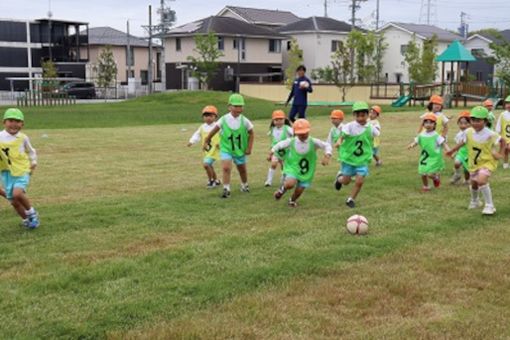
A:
x: 79, y: 90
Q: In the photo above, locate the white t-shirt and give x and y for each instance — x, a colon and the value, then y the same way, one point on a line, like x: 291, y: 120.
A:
x: 355, y: 129
x: 506, y: 115
x: 440, y: 139
x: 334, y: 129
x: 302, y: 147
x: 276, y: 132
x: 25, y: 147
x: 459, y: 137
x: 445, y: 119
x: 197, y: 136
x: 481, y: 136
x: 234, y: 122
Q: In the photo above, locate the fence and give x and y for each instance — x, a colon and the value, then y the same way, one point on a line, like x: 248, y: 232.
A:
x: 39, y: 98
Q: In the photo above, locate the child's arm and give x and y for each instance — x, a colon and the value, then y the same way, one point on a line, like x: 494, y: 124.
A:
x: 327, y: 150
x: 413, y: 144
x: 211, y: 134
x: 284, y: 144
x: 502, y: 146
x: 445, y: 130
x: 195, y: 138
x: 455, y: 149
x: 339, y: 142
x: 32, y: 154
x: 251, y: 137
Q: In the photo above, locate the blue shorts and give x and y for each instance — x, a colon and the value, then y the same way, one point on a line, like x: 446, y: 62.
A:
x: 375, y: 151
x: 10, y: 182
x: 228, y: 157
x: 300, y: 184
x: 209, y: 160
x: 351, y: 170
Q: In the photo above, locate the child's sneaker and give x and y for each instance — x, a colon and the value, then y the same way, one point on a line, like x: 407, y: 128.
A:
x: 437, y: 181
x: 475, y: 204
x: 505, y: 166
x: 425, y: 189
x: 24, y: 223
x: 455, y: 179
x: 33, y: 220
x: 292, y: 204
x: 211, y: 185
x: 378, y: 163
x: 278, y: 194
x: 245, y: 188
x: 268, y: 184
x: 488, y: 210
x: 226, y: 193
x: 337, y: 184
x: 350, y: 203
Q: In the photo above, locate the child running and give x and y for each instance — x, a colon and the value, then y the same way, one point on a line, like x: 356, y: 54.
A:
x: 236, y: 142
x: 503, y: 129
x: 279, y: 130
x: 461, y: 157
x: 356, y: 144
x: 18, y: 160
x: 300, y: 162
x: 212, y: 152
x: 482, y: 159
x: 375, y: 112
x: 436, y: 106
x: 489, y: 105
x: 431, y: 161
x: 337, y: 117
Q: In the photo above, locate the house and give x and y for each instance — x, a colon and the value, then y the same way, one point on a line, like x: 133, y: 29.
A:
x: 259, y: 57
x: 397, y: 36
x: 479, y: 45
x: 266, y: 18
x: 24, y: 44
x: 318, y: 37
x: 100, y: 37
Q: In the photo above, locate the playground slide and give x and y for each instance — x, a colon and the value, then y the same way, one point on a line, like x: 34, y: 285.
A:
x: 401, y: 101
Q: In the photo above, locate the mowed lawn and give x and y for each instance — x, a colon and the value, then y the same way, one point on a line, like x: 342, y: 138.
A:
x: 133, y: 245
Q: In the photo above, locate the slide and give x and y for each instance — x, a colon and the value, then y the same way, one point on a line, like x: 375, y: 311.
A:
x: 401, y: 101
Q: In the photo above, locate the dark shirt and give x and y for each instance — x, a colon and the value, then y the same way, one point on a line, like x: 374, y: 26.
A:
x: 300, y: 95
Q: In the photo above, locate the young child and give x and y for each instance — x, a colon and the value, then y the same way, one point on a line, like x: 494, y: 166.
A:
x: 436, y: 106
x: 337, y: 117
x: 279, y: 130
x: 300, y: 162
x: 461, y: 157
x: 482, y: 159
x: 375, y: 112
x: 236, y: 142
x: 503, y: 129
x: 431, y: 157
x: 492, y: 118
x: 18, y: 160
x: 212, y: 152
x: 356, y: 144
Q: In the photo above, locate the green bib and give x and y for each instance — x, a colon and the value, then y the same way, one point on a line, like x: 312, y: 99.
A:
x: 285, y: 132
x: 234, y: 142
x: 462, y: 155
x: 357, y: 150
x: 335, y: 136
x: 301, y: 167
x: 431, y: 157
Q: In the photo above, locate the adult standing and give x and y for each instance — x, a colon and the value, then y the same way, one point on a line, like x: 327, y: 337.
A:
x: 300, y: 89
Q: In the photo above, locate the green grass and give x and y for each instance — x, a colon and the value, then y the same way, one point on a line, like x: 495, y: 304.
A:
x: 132, y: 241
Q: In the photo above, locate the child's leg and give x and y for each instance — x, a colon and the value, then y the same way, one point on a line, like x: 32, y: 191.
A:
x: 357, y: 186
x: 243, y: 173
x: 21, y: 203
x: 425, y: 181
x: 289, y: 183
x: 505, y: 158
x: 345, y: 179
x: 297, y: 193
x: 2, y: 193
x: 270, y: 172
x: 209, y: 171
x: 227, y: 170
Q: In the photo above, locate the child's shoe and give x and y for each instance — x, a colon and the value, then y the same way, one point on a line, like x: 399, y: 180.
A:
x: 268, y: 184
x: 350, y: 203
x: 226, y: 193
x: 378, y: 163
x: 455, y: 179
x: 292, y: 204
x: 24, y: 223
x: 211, y: 184
x: 505, y: 166
x: 488, y: 210
x: 278, y: 194
x: 425, y: 189
x: 437, y: 181
x: 337, y: 184
x: 475, y: 204
x: 245, y: 188
x: 33, y: 220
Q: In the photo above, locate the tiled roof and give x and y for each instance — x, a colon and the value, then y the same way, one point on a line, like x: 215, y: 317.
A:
x: 264, y: 16
x: 317, y: 24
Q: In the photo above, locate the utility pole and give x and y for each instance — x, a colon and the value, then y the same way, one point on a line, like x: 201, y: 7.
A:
x: 354, y: 7
x: 428, y: 12
x: 464, y: 27
x: 149, y: 67
x: 377, y: 16
x: 238, y: 78
x: 326, y: 8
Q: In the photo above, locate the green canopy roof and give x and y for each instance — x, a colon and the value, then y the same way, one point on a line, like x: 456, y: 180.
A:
x: 456, y: 52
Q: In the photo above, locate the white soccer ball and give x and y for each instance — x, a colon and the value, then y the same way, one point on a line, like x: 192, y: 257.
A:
x: 357, y: 225
x: 304, y: 84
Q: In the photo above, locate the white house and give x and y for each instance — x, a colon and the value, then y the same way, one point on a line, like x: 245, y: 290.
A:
x: 318, y: 37
x: 398, y: 35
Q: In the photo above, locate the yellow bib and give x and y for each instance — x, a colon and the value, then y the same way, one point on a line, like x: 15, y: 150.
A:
x: 13, y: 160
x: 505, y: 129
x: 377, y: 140
x: 480, y: 153
x: 213, y: 148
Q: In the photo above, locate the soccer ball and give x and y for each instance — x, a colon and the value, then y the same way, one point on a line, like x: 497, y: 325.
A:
x: 304, y: 84
x: 357, y: 225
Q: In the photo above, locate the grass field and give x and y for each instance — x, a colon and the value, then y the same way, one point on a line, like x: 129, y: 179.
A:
x: 132, y: 245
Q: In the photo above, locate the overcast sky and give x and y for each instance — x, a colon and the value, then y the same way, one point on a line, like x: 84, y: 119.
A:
x: 114, y: 13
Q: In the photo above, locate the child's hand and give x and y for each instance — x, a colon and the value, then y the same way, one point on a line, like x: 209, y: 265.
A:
x: 497, y: 155
x: 32, y: 167
x: 189, y: 144
x: 205, y: 147
x: 325, y: 160
x: 270, y: 157
x: 247, y: 152
x: 449, y: 153
x: 410, y: 146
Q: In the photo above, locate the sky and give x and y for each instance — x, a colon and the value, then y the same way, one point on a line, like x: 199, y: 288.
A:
x: 115, y: 13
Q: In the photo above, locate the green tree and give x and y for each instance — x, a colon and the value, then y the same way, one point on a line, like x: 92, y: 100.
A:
x: 106, y: 69
x: 295, y: 58
x: 49, y: 73
x: 368, y: 49
x: 382, y: 46
x: 341, y: 68
x: 421, y: 63
x: 205, y: 66
x: 501, y: 51
x: 323, y: 74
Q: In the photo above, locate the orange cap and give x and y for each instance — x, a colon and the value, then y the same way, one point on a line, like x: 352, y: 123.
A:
x: 278, y: 114
x: 301, y: 126
x: 338, y: 114
x: 377, y: 109
x: 430, y: 116
x: 464, y: 114
x: 435, y: 99
x: 488, y: 103
x: 210, y: 109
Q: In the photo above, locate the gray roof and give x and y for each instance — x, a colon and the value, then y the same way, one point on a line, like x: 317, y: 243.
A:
x: 317, y: 24
x: 505, y: 34
x: 223, y: 26
x: 427, y: 31
x: 264, y: 16
x: 111, y: 36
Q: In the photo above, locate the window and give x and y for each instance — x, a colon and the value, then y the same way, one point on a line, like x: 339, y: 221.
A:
x: 177, y: 44
x: 243, y: 43
x: 289, y: 45
x: 144, y: 75
x: 336, y: 45
x: 130, y: 75
x: 275, y: 46
x: 403, y: 49
x: 221, y: 43
x: 130, y: 54
x: 478, y: 52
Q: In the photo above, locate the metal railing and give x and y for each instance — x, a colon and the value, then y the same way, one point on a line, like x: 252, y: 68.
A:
x: 40, y: 98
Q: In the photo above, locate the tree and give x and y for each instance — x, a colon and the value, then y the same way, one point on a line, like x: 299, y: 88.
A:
x: 323, y: 74
x: 206, y: 64
x: 49, y: 73
x: 106, y: 69
x: 341, y: 65
x: 422, y: 63
x: 368, y: 49
x: 295, y: 58
x: 382, y: 46
x: 501, y: 51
